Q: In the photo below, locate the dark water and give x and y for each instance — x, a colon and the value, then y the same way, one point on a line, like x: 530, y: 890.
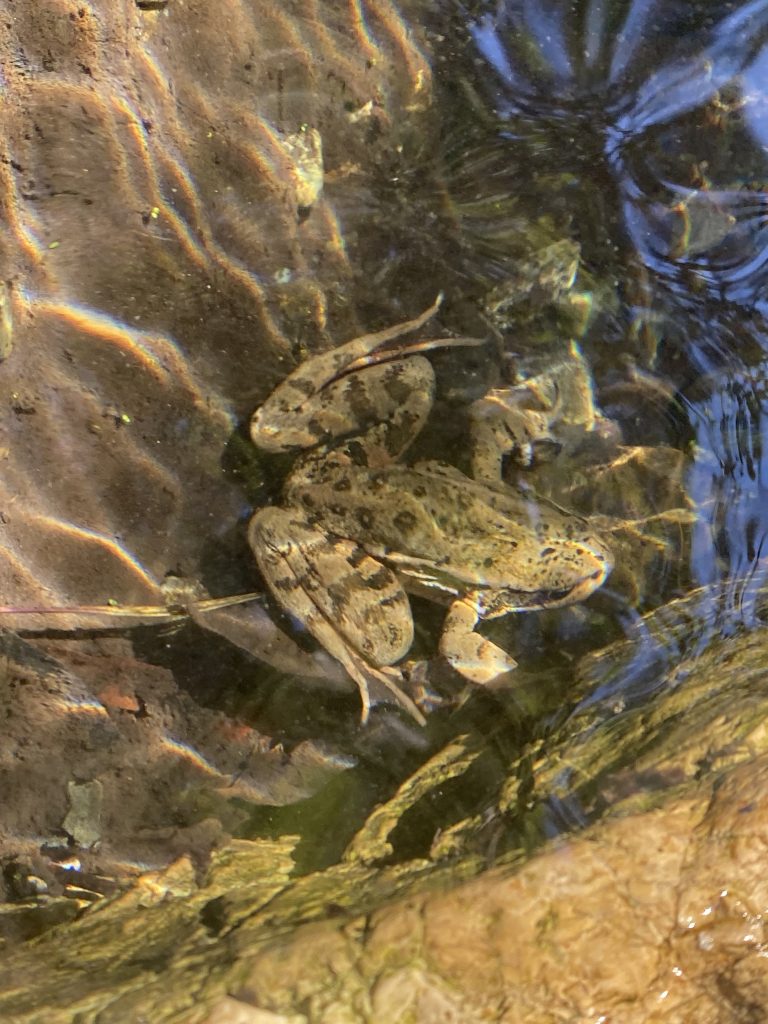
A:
x: 659, y: 111
x: 656, y: 115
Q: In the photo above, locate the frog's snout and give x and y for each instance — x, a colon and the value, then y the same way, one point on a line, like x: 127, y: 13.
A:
x: 597, y: 564
x: 572, y: 570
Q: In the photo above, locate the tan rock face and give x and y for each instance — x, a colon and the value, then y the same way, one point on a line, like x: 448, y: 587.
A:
x: 655, y: 917
x: 167, y: 183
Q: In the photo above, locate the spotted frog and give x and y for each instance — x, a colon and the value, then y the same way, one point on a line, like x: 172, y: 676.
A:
x: 545, y: 277
x: 357, y: 529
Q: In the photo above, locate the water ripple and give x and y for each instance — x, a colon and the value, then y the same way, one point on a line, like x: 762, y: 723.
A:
x: 648, y: 122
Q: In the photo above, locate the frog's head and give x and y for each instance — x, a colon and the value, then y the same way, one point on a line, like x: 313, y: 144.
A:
x: 570, y: 569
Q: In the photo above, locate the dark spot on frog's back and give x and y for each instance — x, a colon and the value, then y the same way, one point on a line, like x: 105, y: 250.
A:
x: 356, y: 558
x: 318, y: 430
x: 395, y: 386
x: 335, y: 542
x: 343, y: 484
x: 381, y: 579
x: 356, y: 453
x: 365, y: 517
x: 404, y: 521
x: 303, y: 385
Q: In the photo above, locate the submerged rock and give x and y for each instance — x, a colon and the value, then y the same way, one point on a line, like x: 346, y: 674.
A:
x: 655, y: 913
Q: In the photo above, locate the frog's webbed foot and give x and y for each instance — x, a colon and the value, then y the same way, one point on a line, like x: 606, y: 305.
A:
x: 353, y: 606
x: 471, y: 655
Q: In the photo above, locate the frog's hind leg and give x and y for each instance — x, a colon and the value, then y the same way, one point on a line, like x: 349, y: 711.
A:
x: 354, y: 606
x: 302, y: 410
x: 471, y: 655
x: 382, y: 407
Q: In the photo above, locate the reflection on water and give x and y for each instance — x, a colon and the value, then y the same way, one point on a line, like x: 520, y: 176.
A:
x: 658, y: 113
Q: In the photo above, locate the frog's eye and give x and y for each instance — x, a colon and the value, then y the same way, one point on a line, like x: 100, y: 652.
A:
x: 544, y: 449
x: 549, y: 598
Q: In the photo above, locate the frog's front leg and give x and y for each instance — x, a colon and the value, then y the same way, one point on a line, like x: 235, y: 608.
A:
x: 504, y: 424
x: 524, y: 420
x: 471, y: 655
x: 354, y: 606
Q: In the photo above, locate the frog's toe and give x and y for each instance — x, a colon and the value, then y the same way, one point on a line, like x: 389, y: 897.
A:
x: 476, y: 658
x: 471, y: 655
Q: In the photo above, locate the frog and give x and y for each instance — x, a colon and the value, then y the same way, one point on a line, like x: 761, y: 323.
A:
x: 545, y: 291
x: 545, y: 277
x: 357, y: 529
x: 533, y: 419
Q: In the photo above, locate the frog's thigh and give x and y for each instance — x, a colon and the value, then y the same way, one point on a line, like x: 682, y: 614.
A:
x: 395, y: 396
x: 345, y: 598
x: 473, y: 657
